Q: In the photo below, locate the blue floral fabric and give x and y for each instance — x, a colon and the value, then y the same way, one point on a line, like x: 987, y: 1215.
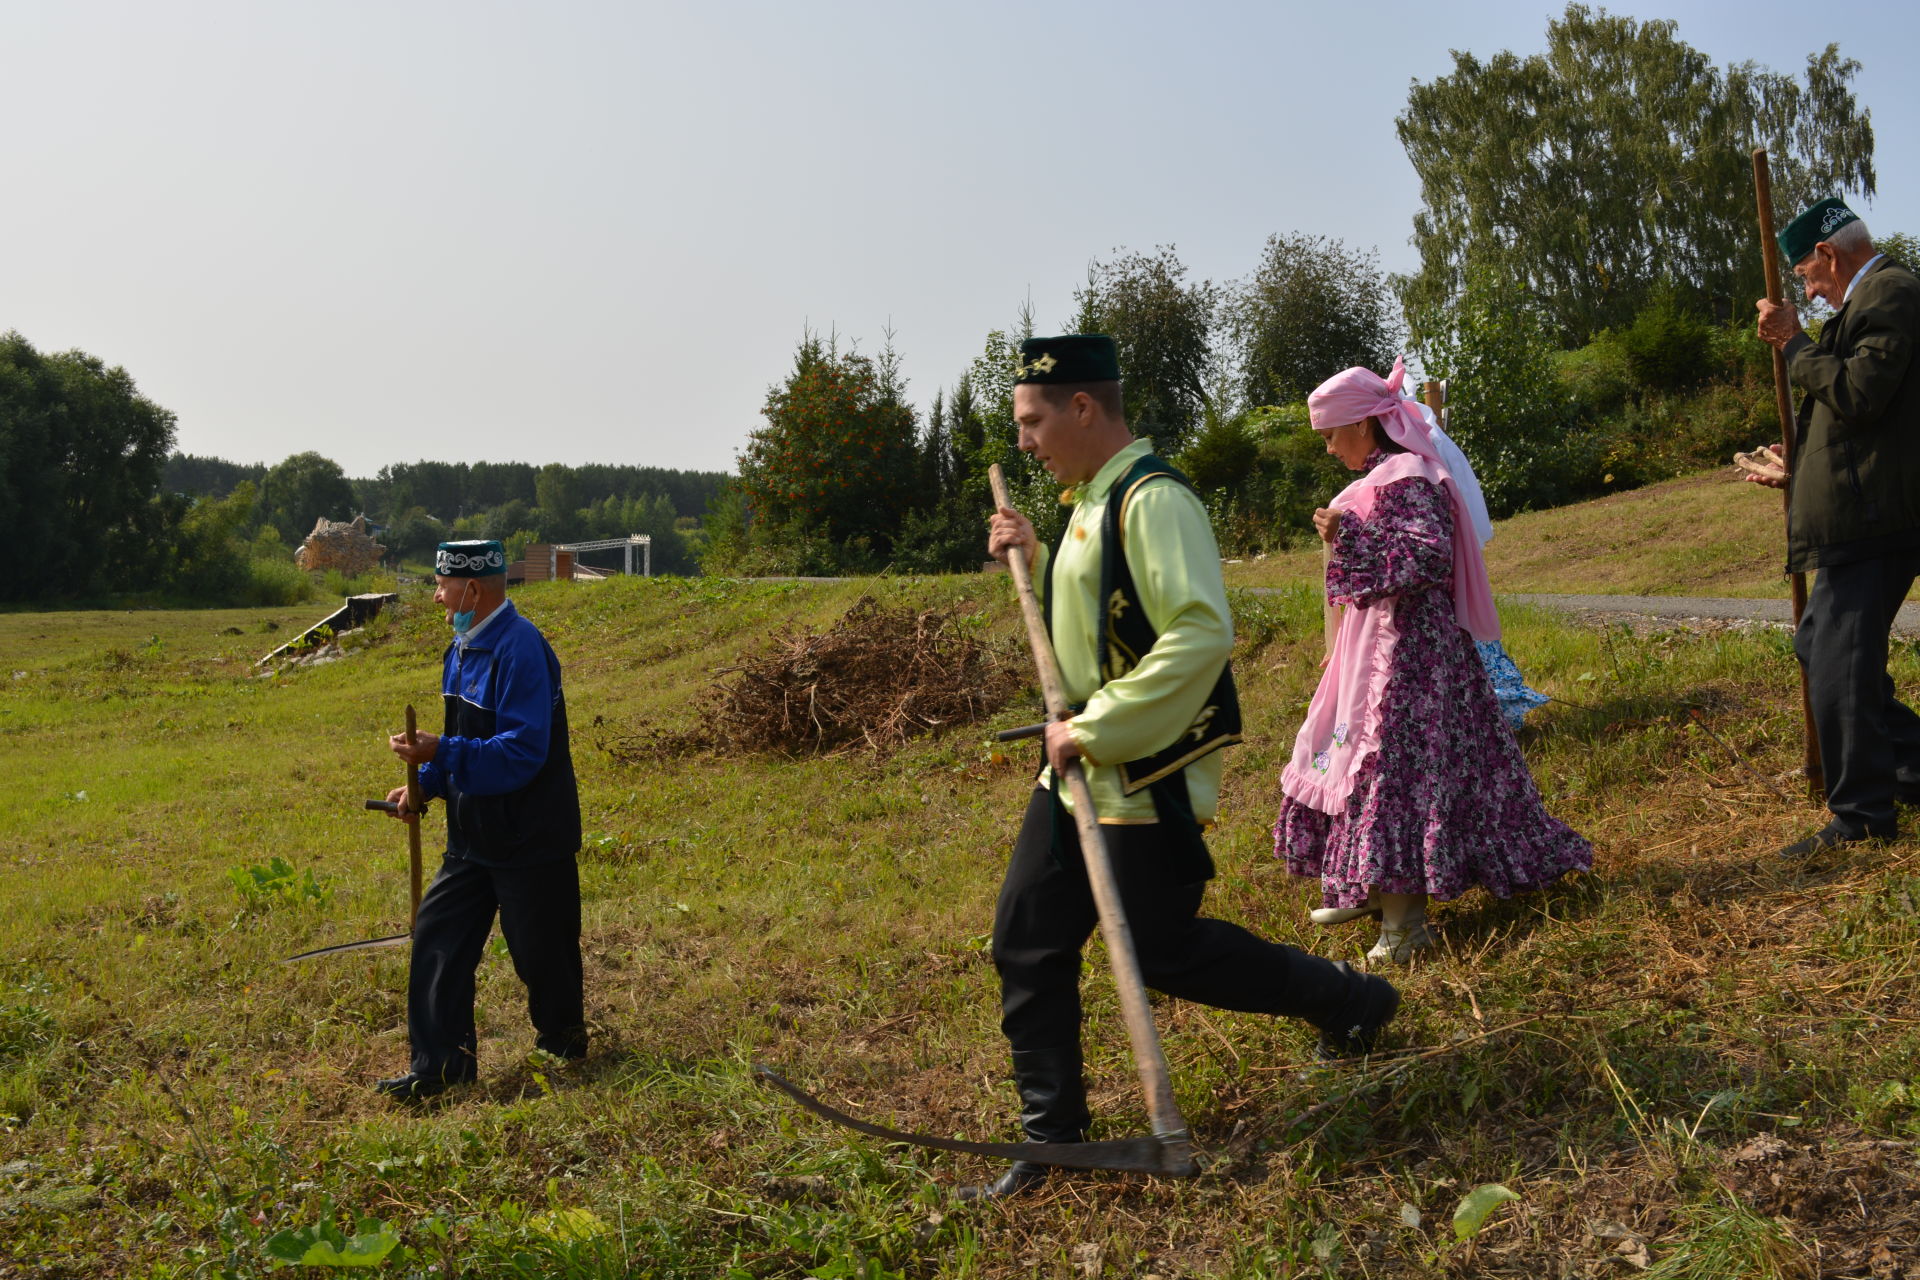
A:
x: 1509, y: 686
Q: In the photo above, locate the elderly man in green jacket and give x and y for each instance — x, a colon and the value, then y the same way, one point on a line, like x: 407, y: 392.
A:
x: 1138, y: 615
x: 1853, y: 511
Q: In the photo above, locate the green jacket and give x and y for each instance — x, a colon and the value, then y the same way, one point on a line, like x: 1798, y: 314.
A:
x: 1855, y: 492
x: 1176, y: 570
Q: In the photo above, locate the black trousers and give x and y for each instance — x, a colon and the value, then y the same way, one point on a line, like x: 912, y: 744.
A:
x: 1869, y: 739
x: 539, y: 909
x: 1046, y: 914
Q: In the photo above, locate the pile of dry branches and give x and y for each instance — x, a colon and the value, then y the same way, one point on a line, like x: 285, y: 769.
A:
x: 876, y: 678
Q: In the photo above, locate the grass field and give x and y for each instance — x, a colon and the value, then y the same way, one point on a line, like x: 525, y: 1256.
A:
x: 1690, y: 1059
x: 1710, y: 534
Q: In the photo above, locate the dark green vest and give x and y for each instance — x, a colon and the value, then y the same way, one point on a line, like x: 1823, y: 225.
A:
x: 1126, y: 636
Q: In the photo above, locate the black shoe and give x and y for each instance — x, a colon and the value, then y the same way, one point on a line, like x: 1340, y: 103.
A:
x: 1054, y: 1109
x: 1834, y: 835
x: 571, y: 1045
x: 1023, y: 1177
x: 414, y: 1087
x: 1369, y: 1009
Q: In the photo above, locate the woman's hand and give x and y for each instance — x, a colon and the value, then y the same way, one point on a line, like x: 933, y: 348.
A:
x: 1326, y: 521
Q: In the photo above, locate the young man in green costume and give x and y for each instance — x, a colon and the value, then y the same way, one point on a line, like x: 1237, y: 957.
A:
x: 1138, y: 615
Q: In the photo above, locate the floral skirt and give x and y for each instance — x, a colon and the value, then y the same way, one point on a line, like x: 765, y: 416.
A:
x: 1446, y: 803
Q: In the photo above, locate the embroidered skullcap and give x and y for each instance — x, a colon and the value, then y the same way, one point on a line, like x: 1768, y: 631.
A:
x: 477, y: 559
x: 1072, y: 357
x: 1816, y: 223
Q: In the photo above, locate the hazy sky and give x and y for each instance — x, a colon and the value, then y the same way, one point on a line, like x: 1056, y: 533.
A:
x: 594, y: 232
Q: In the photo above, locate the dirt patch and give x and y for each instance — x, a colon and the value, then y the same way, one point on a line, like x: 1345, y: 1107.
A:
x: 1860, y: 1197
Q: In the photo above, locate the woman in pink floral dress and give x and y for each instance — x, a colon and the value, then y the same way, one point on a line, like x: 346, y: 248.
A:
x: 1406, y: 782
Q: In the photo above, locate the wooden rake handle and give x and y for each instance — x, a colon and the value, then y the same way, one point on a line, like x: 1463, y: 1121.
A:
x: 1145, y: 1037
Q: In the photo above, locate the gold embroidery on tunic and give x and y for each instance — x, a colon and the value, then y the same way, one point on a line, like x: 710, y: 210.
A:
x: 1120, y: 659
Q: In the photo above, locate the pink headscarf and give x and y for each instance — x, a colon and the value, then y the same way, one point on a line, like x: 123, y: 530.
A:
x: 1358, y: 394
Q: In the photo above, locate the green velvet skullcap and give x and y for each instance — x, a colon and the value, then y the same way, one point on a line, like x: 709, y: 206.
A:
x: 1817, y: 223
x: 480, y: 559
x: 1073, y: 357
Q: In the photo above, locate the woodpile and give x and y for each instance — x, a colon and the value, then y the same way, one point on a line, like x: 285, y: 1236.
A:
x: 342, y: 545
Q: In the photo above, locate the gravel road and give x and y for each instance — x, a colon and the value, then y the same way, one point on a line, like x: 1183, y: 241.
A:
x: 1689, y: 609
x: 1699, y: 612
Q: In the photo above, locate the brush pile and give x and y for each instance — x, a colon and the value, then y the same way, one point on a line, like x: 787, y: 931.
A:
x: 875, y: 679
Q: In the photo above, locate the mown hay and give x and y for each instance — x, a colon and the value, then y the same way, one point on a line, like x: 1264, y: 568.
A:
x: 875, y: 679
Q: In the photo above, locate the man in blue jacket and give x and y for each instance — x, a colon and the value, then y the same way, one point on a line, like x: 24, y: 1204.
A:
x: 503, y: 766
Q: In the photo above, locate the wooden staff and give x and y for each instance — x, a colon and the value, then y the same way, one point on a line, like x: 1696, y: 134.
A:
x: 1147, y: 1054
x: 1435, y: 394
x: 1329, y: 611
x: 413, y: 827
x: 1783, y: 401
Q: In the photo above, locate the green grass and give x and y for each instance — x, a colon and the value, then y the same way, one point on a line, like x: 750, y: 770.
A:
x: 1710, y: 534
x: 172, y: 1097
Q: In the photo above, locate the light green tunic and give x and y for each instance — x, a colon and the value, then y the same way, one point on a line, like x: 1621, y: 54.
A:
x: 1176, y: 572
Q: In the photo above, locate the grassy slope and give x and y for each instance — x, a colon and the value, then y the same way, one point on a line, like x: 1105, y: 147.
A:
x: 1710, y: 534
x: 1603, y: 1049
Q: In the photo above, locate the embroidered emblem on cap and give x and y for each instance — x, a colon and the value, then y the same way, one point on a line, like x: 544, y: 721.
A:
x: 1835, y: 218
x: 461, y: 561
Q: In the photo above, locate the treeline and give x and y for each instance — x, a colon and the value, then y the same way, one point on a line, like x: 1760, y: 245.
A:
x: 845, y: 476
x: 1588, y: 264
x: 101, y: 508
x: 420, y: 504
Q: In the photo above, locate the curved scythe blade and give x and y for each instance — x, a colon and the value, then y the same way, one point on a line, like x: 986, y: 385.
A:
x: 341, y: 948
x: 1168, y: 1154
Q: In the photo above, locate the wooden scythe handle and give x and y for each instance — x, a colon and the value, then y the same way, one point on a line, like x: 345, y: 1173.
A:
x: 1147, y: 1054
x: 413, y: 828
x: 1783, y: 402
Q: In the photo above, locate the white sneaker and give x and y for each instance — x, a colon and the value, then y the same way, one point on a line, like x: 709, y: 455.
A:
x: 1397, y: 946
x: 1340, y: 915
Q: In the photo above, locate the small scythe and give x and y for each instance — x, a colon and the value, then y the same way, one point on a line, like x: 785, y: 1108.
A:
x: 1166, y: 1150
x: 413, y: 848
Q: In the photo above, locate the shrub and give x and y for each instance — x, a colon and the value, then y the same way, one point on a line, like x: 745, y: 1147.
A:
x: 1668, y: 347
x: 1510, y: 411
x: 1597, y: 377
x: 277, y: 582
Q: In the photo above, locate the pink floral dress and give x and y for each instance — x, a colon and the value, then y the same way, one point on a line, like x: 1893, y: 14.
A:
x: 1445, y: 803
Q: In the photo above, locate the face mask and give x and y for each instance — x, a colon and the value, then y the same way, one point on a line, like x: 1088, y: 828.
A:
x: 462, y: 620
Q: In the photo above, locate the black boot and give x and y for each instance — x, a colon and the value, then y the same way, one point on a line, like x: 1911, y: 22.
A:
x: 1371, y: 1004
x: 1053, y: 1094
x: 415, y: 1087
x: 1349, y: 1007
